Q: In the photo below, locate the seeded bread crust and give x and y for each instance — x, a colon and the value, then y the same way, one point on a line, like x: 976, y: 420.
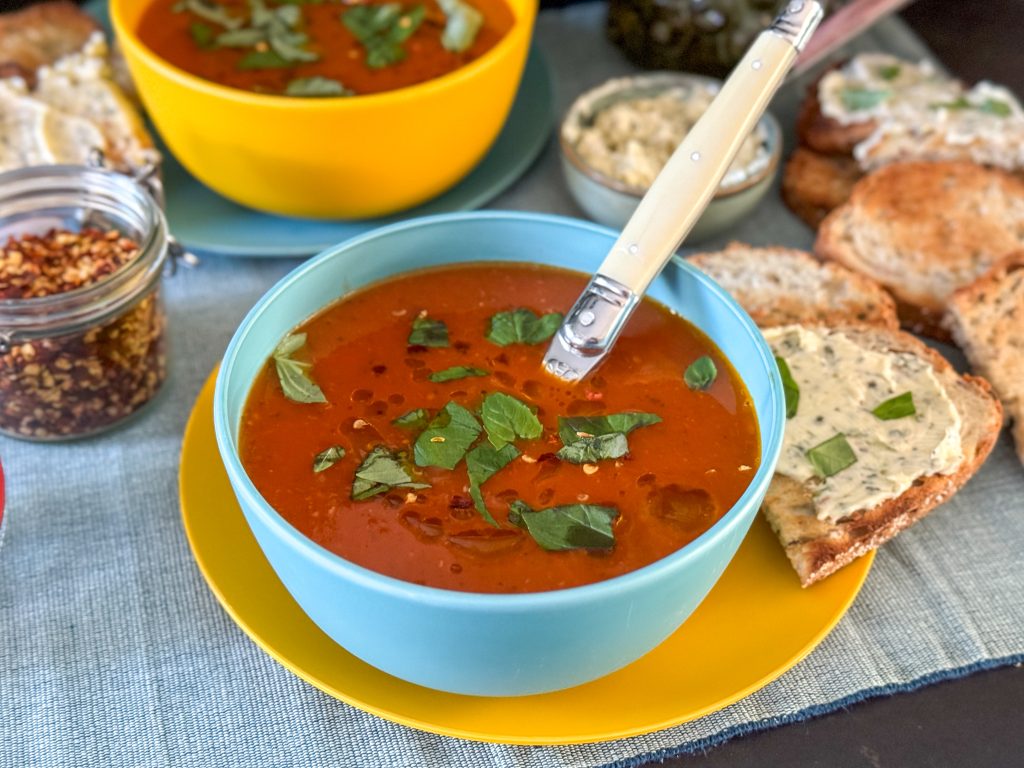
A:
x: 41, y: 34
x: 987, y: 322
x: 923, y: 230
x: 782, y: 286
x: 818, y: 548
x: 813, y: 184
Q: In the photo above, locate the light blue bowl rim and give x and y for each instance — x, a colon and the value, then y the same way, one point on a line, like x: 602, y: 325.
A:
x: 476, y: 601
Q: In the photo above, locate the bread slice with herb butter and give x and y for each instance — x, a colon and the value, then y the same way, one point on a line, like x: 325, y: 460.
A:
x: 779, y: 286
x: 922, y: 230
x: 987, y: 322
x: 849, y: 479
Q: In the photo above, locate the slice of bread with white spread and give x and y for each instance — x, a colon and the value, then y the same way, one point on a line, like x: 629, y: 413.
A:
x: 987, y: 322
x: 779, y: 286
x: 923, y: 230
x: 829, y: 507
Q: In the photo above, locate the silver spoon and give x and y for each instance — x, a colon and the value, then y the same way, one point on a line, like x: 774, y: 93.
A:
x: 678, y: 196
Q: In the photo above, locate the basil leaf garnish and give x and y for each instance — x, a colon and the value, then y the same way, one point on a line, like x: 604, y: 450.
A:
x: 382, y: 29
x: 897, y: 407
x: 293, y: 375
x: 572, y: 429
x: 241, y: 38
x: 890, y: 72
x: 315, y: 87
x: 588, y: 450
x: 202, y: 34
x: 521, y: 326
x: 447, y: 437
x: 425, y: 332
x: 208, y: 11
x: 285, y: 43
x: 789, y: 387
x: 381, y: 470
x: 262, y: 60
x: 857, y: 99
x: 456, y: 372
x: 505, y: 418
x: 481, y: 463
x: 575, y: 526
x: 832, y: 456
x: 464, y: 22
x: 328, y: 458
x: 701, y: 373
x: 995, y: 107
x: 958, y: 103
x: 415, y: 419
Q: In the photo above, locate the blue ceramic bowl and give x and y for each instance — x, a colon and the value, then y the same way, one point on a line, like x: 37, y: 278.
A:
x: 486, y: 644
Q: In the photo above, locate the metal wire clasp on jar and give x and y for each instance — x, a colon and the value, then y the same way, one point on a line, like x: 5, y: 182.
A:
x: 82, y: 323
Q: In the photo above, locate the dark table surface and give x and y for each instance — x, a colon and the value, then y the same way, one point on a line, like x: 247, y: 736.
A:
x: 976, y: 721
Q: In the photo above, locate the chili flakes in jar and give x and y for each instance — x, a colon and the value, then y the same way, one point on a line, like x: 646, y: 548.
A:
x: 73, y: 381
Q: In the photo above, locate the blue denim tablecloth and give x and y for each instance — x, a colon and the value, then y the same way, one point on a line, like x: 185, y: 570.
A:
x: 113, y: 651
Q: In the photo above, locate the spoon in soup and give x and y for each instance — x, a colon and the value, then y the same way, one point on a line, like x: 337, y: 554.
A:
x: 678, y: 196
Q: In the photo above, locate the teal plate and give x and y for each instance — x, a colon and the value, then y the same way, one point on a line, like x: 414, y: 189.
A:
x: 208, y: 223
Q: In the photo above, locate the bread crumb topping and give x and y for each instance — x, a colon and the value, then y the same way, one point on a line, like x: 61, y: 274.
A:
x: 841, y: 383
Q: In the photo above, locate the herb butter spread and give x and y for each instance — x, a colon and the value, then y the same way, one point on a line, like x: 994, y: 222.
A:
x: 922, y: 114
x: 841, y: 383
x: 630, y: 139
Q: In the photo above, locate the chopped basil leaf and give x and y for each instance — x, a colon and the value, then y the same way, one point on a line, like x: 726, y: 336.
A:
x: 316, y: 86
x: 575, y: 526
x: 293, y: 375
x: 897, y: 407
x: 382, y: 29
x: 381, y: 471
x: 506, y: 418
x: 287, y: 44
x: 832, y: 456
x: 587, y: 450
x: 701, y: 373
x: 789, y: 387
x: 456, y: 372
x: 958, y: 103
x: 856, y: 99
x: 416, y: 419
x: 890, y: 72
x: 521, y: 326
x: 262, y: 60
x: 425, y: 331
x: 328, y: 458
x: 464, y: 22
x: 447, y: 437
x: 481, y: 463
x: 241, y: 38
x: 202, y: 34
x: 208, y: 11
x: 572, y: 429
x: 996, y: 107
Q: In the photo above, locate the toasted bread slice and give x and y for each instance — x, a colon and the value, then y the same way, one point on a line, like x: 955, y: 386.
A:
x: 814, y: 184
x: 817, y: 548
x: 41, y: 34
x: 823, y: 134
x: 782, y: 286
x: 987, y: 322
x: 923, y: 230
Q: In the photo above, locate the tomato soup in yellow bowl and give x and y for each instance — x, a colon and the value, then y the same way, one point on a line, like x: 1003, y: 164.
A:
x: 328, y: 109
x: 453, y: 515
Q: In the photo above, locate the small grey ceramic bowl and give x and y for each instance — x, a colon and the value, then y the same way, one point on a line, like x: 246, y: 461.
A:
x: 611, y: 202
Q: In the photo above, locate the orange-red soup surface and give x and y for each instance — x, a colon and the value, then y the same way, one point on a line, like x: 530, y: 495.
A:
x: 678, y: 478
x: 341, y: 57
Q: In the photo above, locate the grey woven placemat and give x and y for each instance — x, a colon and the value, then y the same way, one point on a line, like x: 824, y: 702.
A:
x: 113, y: 652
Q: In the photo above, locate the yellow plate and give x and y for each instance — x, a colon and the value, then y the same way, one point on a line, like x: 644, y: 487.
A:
x: 756, y: 623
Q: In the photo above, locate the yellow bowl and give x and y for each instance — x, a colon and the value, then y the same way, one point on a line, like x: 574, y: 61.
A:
x: 335, y: 157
